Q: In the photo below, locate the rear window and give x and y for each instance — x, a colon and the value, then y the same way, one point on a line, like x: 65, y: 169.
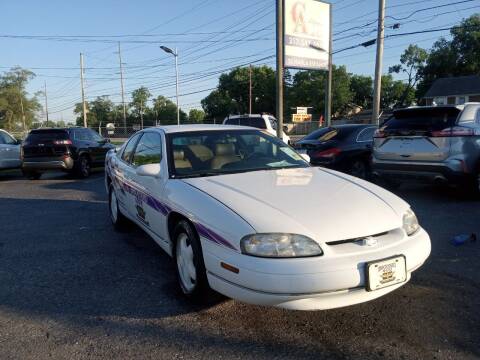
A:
x: 330, y: 133
x: 422, y: 120
x: 45, y: 135
x: 256, y: 122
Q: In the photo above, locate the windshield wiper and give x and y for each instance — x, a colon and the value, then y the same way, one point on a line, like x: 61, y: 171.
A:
x: 194, y: 175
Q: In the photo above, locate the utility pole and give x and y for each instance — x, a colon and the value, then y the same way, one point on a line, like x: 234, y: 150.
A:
x: 46, y: 100
x: 378, y: 65
x: 328, y: 92
x: 83, y: 92
x: 23, y: 113
x: 122, y: 87
x: 279, y: 73
x: 250, y: 90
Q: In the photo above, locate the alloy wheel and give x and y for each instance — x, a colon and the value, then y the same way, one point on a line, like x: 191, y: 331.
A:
x: 185, y: 264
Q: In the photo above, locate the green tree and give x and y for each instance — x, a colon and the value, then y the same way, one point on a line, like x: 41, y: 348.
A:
x: 99, y: 112
x: 196, y: 116
x: 140, y: 98
x: 393, y: 91
x: 217, y: 105
x: 456, y: 57
x: 165, y: 111
x: 361, y: 88
x: 412, y: 61
x: 17, y: 109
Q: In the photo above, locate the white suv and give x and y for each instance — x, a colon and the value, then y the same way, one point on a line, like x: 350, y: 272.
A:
x: 259, y: 121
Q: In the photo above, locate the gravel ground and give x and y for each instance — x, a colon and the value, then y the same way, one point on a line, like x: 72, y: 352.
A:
x: 72, y: 288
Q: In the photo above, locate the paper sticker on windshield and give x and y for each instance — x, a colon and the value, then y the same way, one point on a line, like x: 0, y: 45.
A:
x: 291, y: 153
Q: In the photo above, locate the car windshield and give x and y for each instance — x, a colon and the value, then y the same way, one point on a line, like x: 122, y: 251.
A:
x: 324, y: 134
x: 216, y: 152
x: 47, y: 135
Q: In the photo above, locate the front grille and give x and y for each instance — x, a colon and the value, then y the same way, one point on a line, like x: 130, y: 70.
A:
x: 355, y: 240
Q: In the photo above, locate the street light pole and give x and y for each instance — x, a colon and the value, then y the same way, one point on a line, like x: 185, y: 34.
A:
x: 175, y: 54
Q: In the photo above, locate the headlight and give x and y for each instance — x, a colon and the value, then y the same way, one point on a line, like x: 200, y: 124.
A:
x: 410, y: 222
x: 278, y: 245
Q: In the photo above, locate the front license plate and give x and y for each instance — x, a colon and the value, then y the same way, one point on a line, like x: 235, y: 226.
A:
x: 386, y: 272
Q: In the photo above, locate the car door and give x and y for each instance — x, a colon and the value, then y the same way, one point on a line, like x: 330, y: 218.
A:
x: 151, y: 211
x: 122, y: 174
x: 9, y: 152
x: 99, y: 147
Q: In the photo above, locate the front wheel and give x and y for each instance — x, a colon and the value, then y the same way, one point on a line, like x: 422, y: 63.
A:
x: 190, y: 267
x: 119, y: 221
x: 82, y: 167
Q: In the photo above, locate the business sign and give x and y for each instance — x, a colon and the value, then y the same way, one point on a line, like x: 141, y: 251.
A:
x: 307, y: 34
x: 298, y: 118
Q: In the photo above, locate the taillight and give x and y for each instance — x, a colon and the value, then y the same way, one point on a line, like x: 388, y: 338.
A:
x: 379, y: 134
x: 330, y: 153
x: 63, y: 142
x: 455, y: 131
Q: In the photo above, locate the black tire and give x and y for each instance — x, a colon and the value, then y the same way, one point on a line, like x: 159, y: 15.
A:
x: 197, y: 289
x: 82, y: 167
x: 359, y: 168
x: 119, y: 221
x: 31, y: 175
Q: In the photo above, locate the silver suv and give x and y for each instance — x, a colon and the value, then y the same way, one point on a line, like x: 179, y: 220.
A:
x: 436, y: 143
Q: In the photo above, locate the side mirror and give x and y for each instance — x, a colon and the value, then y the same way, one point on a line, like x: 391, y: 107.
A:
x: 305, y: 157
x: 152, y: 170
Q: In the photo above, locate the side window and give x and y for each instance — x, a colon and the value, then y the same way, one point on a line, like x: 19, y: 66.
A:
x: 366, y: 134
x: 127, y: 152
x: 81, y: 134
x: 6, y: 139
x: 477, y: 117
x: 95, y: 136
x: 148, y: 150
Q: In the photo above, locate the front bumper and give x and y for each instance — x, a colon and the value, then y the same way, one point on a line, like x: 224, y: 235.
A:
x: 61, y: 163
x: 452, y: 171
x: 317, y: 283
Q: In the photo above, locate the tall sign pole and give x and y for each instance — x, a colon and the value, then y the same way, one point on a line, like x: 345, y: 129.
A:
x: 378, y: 65
x: 279, y: 73
x: 328, y: 92
x: 46, y: 102
x: 250, y: 89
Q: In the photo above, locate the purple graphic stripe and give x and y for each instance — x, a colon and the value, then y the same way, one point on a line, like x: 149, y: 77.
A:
x: 213, y: 236
x: 164, y: 209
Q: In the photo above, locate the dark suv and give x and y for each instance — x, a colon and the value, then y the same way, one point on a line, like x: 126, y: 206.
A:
x: 74, y: 150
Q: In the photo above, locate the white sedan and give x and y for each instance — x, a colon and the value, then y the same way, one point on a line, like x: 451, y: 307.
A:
x: 242, y: 213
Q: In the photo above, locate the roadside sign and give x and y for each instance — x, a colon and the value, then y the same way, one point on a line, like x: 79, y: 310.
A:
x: 297, y: 118
x: 302, y: 110
x: 307, y: 34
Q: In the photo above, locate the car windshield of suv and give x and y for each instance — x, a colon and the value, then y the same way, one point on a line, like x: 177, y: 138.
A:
x: 420, y: 120
x: 207, y: 153
x: 256, y: 122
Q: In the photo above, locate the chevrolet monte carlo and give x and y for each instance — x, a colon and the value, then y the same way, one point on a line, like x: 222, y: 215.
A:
x: 242, y: 213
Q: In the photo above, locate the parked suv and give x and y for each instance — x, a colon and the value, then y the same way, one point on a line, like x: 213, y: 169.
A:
x: 9, y: 151
x: 259, y: 121
x: 436, y: 143
x: 74, y: 150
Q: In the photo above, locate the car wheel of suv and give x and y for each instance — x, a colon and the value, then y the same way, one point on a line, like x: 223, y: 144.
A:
x: 119, y: 221
x: 32, y: 175
x: 359, y: 169
x: 190, y: 268
x: 83, y: 167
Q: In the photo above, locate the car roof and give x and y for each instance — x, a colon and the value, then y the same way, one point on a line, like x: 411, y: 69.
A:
x: 170, y: 129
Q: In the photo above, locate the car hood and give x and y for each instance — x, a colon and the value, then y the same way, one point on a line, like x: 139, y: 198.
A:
x: 323, y: 204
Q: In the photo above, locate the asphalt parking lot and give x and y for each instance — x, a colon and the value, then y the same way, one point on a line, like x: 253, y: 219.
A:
x: 72, y: 288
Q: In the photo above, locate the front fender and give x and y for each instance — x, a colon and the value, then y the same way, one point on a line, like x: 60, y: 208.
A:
x: 215, y: 223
